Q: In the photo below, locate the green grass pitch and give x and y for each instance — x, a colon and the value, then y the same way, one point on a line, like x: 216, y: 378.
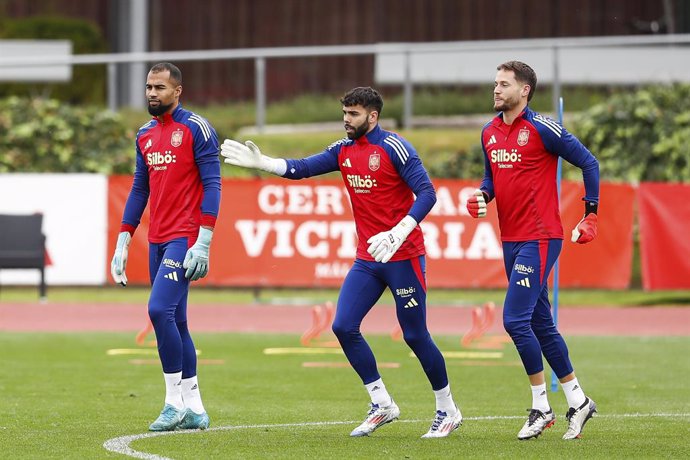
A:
x: 63, y: 397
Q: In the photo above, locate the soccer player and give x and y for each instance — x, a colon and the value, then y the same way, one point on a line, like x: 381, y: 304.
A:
x: 521, y: 150
x: 381, y: 172
x: 178, y: 174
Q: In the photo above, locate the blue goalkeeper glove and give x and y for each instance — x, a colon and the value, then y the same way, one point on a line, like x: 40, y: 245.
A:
x: 119, y: 262
x: 384, y: 245
x: 196, y: 259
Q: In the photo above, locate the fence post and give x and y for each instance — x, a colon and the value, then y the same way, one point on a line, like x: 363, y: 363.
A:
x: 260, y: 84
x: 407, y: 92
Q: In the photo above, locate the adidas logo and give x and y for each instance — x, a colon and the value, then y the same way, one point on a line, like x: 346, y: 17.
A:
x: 376, y: 387
x: 171, y: 276
x: 194, y: 387
x: 575, y: 388
x: 411, y: 304
x: 148, y: 144
x: 524, y: 282
x: 492, y: 140
x: 347, y: 163
x: 542, y: 393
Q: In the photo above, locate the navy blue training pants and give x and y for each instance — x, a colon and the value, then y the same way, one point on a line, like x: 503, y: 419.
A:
x: 362, y: 288
x: 527, y: 310
x: 168, y: 307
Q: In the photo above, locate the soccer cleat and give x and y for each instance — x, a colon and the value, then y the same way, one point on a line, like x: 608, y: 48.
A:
x: 536, y: 423
x: 193, y: 421
x: 443, y: 424
x: 578, y: 417
x: 376, y: 417
x: 168, y: 420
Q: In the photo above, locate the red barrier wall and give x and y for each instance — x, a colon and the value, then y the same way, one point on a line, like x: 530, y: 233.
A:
x: 274, y: 232
x: 664, y: 244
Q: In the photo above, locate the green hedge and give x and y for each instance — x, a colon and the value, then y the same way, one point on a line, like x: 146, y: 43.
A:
x: 39, y: 135
x: 640, y: 136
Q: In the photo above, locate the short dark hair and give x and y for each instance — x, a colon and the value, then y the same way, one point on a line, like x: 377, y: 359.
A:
x: 523, y: 74
x: 175, y: 73
x: 365, y: 96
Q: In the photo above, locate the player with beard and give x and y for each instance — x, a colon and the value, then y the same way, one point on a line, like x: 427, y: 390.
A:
x: 382, y: 173
x: 521, y: 150
x: 178, y: 174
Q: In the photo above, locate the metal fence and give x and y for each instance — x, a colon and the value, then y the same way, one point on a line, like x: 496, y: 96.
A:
x: 589, y: 60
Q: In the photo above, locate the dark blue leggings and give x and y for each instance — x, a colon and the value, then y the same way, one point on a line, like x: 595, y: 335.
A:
x: 527, y: 310
x: 168, y: 307
x: 362, y: 288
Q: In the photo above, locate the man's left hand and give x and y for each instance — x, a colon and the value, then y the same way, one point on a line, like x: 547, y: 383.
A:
x: 585, y: 230
x: 384, y: 245
x: 196, y: 259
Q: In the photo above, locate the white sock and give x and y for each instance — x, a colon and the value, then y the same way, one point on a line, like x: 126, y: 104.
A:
x: 573, y: 393
x: 173, y: 390
x: 378, y: 393
x: 191, y: 395
x: 444, y: 401
x: 540, y: 400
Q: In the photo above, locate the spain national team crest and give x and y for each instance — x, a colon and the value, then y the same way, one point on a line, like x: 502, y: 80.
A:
x: 374, y: 161
x: 523, y: 137
x: 176, y: 138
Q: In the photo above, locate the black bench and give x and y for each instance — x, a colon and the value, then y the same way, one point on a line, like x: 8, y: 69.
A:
x: 22, y: 244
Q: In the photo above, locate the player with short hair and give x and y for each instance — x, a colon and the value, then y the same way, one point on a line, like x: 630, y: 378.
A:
x: 521, y: 150
x: 178, y: 174
x: 381, y: 172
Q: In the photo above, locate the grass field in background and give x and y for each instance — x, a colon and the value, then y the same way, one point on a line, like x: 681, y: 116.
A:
x: 63, y: 397
x: 140, y: 294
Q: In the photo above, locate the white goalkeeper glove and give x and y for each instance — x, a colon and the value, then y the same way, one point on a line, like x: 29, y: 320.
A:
x: 383, y: 246
x: 196, y: 259
x: 476, y: 204
x: 119, y: 262
x: 248, y: 155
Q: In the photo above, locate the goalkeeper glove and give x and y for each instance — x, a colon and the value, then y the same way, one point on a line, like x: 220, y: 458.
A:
x: 476, y: 204
x: 119, y: 262
x: 383, y: 246
x: 586, y: 230
x: 196, y: 259
x: 248, y: 155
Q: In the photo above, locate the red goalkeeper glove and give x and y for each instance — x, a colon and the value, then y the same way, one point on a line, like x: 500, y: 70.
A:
x: 585, y: 230
x: 476, y: 204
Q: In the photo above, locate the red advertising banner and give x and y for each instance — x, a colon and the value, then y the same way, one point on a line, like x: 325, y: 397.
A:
x: 664, y: 243
x: 275, y: 232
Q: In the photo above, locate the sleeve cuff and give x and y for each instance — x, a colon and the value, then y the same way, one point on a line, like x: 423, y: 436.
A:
x: 208, y: 220
x: 128, y: 228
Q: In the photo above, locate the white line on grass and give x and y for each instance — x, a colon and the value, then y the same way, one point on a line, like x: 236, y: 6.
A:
x: 120, y: 445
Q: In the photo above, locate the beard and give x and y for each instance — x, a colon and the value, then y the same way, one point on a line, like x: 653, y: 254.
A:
x: 505, y: 105
x: 158, y: 110
x: 358, y: 132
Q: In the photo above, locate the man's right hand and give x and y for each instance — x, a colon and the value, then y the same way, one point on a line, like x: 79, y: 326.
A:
x: 476, y: 204
x: 247, y: 155
x: 117, y: 266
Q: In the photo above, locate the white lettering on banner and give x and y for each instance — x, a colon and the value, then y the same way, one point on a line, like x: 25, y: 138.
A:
x: 303, y: 237
x: 254, y: 235
x: 336, y: 270
x: 484, y: 243
x: 301, y: 199
x: 446, y: 205
x: 316, y: 239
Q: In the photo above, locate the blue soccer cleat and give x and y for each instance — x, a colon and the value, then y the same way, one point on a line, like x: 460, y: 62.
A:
x: 168, y: 420
x: 193, y: 421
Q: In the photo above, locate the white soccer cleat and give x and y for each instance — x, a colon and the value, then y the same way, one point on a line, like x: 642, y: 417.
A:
x: 376, y: 417
x: 578, y: 417
x: 536, y: 423
x: 444, y: 424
